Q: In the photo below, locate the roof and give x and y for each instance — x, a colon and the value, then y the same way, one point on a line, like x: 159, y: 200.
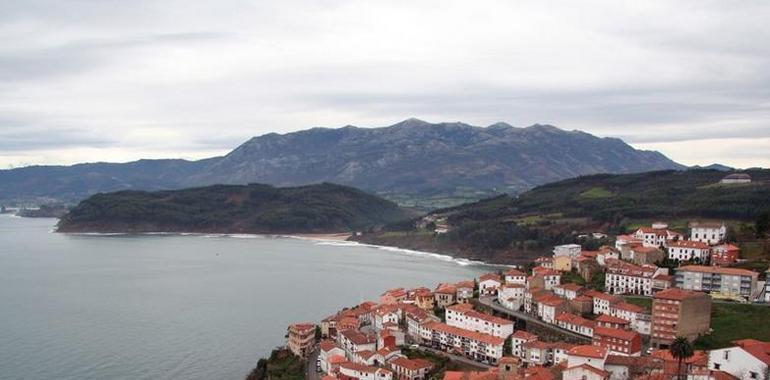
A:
x: 677, y: 294
x: 361, y: 367
x: 727, y: 247
x: 515, y: 272
x: 302, y: 327
x: 411, y: 364
x: 606, y: 318
x: 688, y: 244
x: 697, y: 224
x: 757, y: 348
x: 489, y: 276
x: 521, y: 334
x: 625, y: 306
x: 543, y: 271
x: 446, y: 289
x: 327, y: 345
x: 358, y: 337
x: 589, y: 351
x: 603, y: 296
x: 720, y: 270
x: 466, y: 284
x: 570, y: 286
x: 574, y: 319
x: 626, y: 335
x: 473, y: 335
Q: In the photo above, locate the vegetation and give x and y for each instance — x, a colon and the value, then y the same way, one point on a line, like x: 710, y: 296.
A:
x: 233, y: 209
x: 282, y: 365
x: 681, y: 350
x: 732, y: 321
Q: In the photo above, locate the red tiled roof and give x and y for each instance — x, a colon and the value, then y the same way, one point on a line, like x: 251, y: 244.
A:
x: 589, y: 368
x: 589, y: 351
x: 489, y: 276
x: 574, y: 320
x: 710, y: 269
x: 473, y: 335
x: 677, y: 294
x: 514, y: 273
x: 688, y: 244
x: 362, y: 367
x: 521, y: 334
x: 757, y: 348
x: 626, y: 335
x: 610, y: 319
x: 327, y: 345
x: 411, y: 364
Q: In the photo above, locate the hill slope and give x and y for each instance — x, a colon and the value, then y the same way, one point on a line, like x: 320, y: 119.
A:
x: 432, y: 165
x: 514, y: 229
x: 233, y: 209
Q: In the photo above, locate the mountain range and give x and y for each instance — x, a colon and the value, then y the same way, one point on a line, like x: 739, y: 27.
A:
x: 414, y: 163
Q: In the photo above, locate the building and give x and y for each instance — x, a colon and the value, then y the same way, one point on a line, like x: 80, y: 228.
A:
x: 569, y: 250
x: 550, y: 277
x: 425, y: 299
x: 515, y: 276
x: 637, y: 317
x: 686, y: 250
x: 489, y: 283
x: 301, y: 339
x: 329, y: 355
x: 586, y: 363
x: 478, y: 346
x: 569, y: 291
x: 678, y: 312
x: 576, y: 324
x: 710, y: 233
x: 410, y: 369
x: 518, y: 339
x: 658, y: 235
x: 465, y: 317
x: 511, y: 296
x: 563, y: 263
x: 725, y: 282
x: 445, y: 294
x: 538, y: 353
x: 603, y: 301
x: 465, y: 290
x: 618, y: 341
x: 606, y: 320
x: 414, y: 319
x: 736, y: 178
x: 550, y: 306
x: 626, y: 240
x: 353, y: 341
x: 357, y: 371
x: 626, y: 278
x: 724, y: 254
x: 747, y: 360
x: 393, y: 296
x: 641, y: 255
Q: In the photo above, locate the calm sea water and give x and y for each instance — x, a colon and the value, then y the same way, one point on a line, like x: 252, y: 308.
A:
x: 176, y: 307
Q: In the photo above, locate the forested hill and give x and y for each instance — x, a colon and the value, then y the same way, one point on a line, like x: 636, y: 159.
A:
x: 253, y: 208
x: 509, y: 229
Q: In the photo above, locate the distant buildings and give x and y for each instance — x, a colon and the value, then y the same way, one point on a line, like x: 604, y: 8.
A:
x: 658, y: 235
x: 678, y: 312
x: 626, y: 278
x: 301, y: 339
x: 736, y: 178
x: 724, y: 254
x: 710, y: 233
x: 686, y: 250
x: 728, y: 282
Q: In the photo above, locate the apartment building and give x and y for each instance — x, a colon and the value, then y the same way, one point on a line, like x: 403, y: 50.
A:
x: 465, y: 317
x: 626, y: 278
x: 301, y: 338
x: 478, y: 346
x: 709, y: 233
x: 686, y: 250
x: 729, y: 282
x: 678, y: 312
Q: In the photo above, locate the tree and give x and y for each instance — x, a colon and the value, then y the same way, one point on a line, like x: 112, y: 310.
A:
x: 681, y: 349
x: 762, y: 224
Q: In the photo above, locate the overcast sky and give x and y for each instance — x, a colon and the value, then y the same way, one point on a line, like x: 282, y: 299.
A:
x: 84, y: 81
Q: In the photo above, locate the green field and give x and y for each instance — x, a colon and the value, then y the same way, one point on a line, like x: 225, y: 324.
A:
x: 640, y: 301
x: 735, y: 321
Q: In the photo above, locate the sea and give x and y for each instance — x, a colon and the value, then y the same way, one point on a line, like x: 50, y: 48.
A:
x: 179, y: 306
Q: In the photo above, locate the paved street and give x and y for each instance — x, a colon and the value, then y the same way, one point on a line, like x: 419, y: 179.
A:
x: 457, y: 358
x: 310, y: 368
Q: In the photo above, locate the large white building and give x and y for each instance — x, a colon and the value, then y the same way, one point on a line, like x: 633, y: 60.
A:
x: 728, y: 282
x: 570, y: 250
x: 465, y: 317
x: 626, y: 278
x: 474, y: 345
x: 710, y: 233
x: 685, y: 250
x: 748, y: 360
x: 657, y: 235
x: 511, y: 296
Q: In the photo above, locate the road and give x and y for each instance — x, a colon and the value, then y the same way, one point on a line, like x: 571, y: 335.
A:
x: 492, y: 303
x: 457, y: 358
x: 310, y: 367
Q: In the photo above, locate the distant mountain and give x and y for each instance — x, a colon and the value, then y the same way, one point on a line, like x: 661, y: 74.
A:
x: 715, y: 166
x: 233, y: 209
x: 432, y: 165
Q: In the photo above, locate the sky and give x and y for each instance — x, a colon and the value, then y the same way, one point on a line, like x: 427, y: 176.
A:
x: 108, y: 80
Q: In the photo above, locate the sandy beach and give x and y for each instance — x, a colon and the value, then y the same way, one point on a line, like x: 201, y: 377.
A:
x: 343, y: 236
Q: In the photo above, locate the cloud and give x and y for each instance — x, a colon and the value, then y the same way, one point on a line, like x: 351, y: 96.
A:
x: 175, y: 78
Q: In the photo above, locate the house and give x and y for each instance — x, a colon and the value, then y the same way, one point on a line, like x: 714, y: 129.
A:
x: 465, y: 290
x: 723, y: 282
x: 707, y: 232
x: 384, y: 314
x: 586, y: 363
x: 544, y: 261
x: 677, y: 312
x: 694, y: 364
x: 353, y: 341
x: 357, y: 371
x: 724, y: 254
x: 390, y: 338
x: 537, y: 353
x: 606, y: 320
x: 330, y: 354
x: 626, y: 278
x: 410, y: 369
x: 518, y: 339
x: 636, y: 315
x: 563, y: 263
x: 686, y: 250
x: 747, y: 360
x: 465, y: 317
x: 445, y: 295
x: 560, y: 353
x: 662, y: 282
x: 582, y: 304
x: 606, y: 252
x: 569, y: 291
x: 550, y: 277
x: 425, y: 299
x: 658, y: 235
x: 489, y: 283
x: 515, y: 276
x: 625, y: 240
x: 641, y: 255
x: 511, y: 296
x: 736, y: 178
x: 393, y: 296
x: 618, y: 341
x: 569, y: 250
x: 551, y: 306
x: 416, y: 317
x: 301, y: 339
x: 576, y: 324
x: 603, y: 301
x: 623, y: 367
x: 474, y: 345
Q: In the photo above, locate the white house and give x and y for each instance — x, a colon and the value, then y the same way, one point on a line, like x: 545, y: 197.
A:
x: 364, y: 372
x: 657, y: 235
x: 684, y: 250
x: 576, y: 324
x: 626, y: 278
x: 710, y: 233
x: 571, y: 250
x: 328, y: 351
x: 465, y: 317
x: 640, y: 321
x: 489, y: 283
x: 353, y: 341
x: 748, y: 360
x: 511, y: 296
x: 475, y: 345
x: 569, y: 291
x: 515, y: 276
x: 517, y: 342
x: 586, y: 363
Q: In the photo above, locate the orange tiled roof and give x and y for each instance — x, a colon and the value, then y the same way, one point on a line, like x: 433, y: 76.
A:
x: 589, y: 351
x: 720, y: 270
x: 473, y: 335
x: 677, y: 294
x: 626, y: 335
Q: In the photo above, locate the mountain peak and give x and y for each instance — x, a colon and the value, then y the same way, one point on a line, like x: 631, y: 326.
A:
x: 411, y: 123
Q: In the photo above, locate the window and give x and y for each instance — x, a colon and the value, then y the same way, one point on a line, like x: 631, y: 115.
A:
x: 726, y: 355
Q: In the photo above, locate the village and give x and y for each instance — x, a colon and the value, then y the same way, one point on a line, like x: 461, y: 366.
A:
x: 540, y: 323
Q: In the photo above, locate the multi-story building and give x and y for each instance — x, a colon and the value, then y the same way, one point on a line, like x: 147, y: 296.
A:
x: 301, y: 338
x: 641, y: 255
x: 710, y: 233
x: 471, y: 344
x: 569, y: 291
x: 637, y: 317
x: 465, y: 317
x: 618, y: 341
x: 414, y: 319
x: 570, y: 250
x: 465, y: 290
x: 410, y: 369
x: 724, y: 254
x: 747, y: 360
x: 353, y: 341
x: 511, y: 296
x: 586, y: 363
x: 603, y: 302
x: 357, y: 371
x: 518, y: 339
x: 392, y: 296
x: 729, y: 282
x: 679, y: 313
x: 626, y: 278
x: 446, y: 294
x: 550, y: 277
x: 515, y: 276
x: 329, y: 353
x: 606, y: 320
x: 551, y: 306
x: 576, y: 324
x: 657, y: 235
x: 489, y: 283
x: 686, y: 250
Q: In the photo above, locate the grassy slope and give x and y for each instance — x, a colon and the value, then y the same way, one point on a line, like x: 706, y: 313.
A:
x: 735, y: 321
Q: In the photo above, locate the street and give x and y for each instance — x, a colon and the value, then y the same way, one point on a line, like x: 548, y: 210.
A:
x: 491, y: 302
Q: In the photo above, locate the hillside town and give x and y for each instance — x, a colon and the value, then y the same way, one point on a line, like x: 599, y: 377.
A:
x: 548, y: 321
